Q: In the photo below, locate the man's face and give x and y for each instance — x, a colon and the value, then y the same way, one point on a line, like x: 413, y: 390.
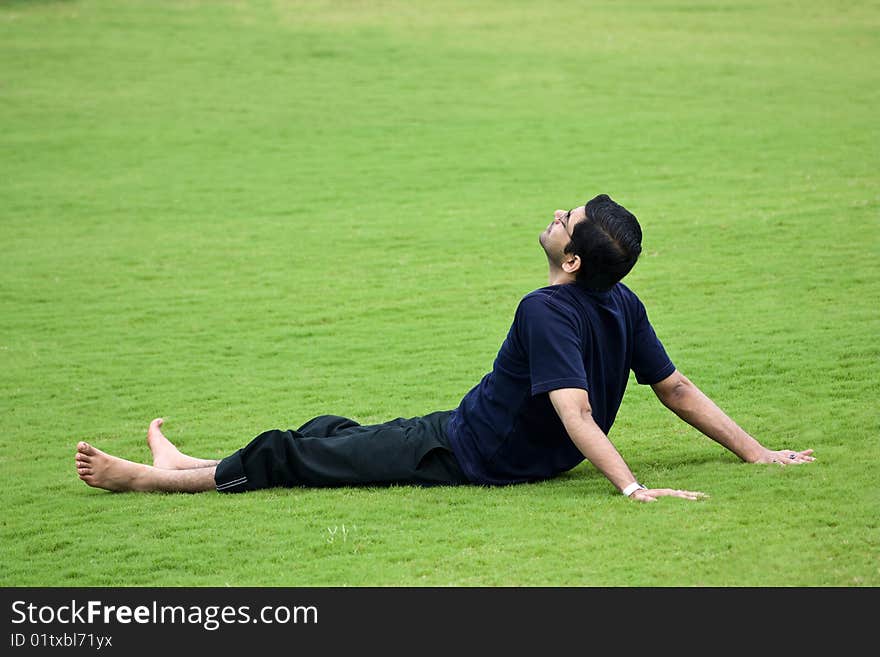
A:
x: 557, y: 235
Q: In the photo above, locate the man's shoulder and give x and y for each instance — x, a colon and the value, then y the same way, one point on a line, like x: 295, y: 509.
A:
x: 543, y: 292
x: 572, y: 294
x: 629, y: 298
x: 553, y: 306
x: 552, y: 296
x: 570, y: 297
x: 626, y: 293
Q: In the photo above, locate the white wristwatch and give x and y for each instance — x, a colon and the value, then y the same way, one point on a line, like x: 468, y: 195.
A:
x: 632, y: 488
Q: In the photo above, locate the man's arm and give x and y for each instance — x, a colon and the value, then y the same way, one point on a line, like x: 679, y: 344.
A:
x: 689, y: 403
x: 573, y: 407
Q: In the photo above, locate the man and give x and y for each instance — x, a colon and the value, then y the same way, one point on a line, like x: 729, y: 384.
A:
x: 548, y: 403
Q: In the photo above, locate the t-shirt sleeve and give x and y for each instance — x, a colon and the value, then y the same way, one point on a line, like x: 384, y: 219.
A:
x: 650, y: 363
x: 553, y: 344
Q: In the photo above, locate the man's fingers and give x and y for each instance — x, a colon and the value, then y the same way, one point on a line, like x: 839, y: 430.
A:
x: 806, y: 456
x: 654, y: 493
x: 689, y: 494
x: 798, y: 457
x: 790, y: 456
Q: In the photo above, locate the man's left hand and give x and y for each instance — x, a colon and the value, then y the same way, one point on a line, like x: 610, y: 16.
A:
x: 786, y: 457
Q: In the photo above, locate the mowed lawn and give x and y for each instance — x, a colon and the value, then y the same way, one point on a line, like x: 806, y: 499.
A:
x: 240, y: 215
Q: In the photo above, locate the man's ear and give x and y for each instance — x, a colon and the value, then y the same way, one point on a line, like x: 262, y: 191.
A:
x: 571, y: 264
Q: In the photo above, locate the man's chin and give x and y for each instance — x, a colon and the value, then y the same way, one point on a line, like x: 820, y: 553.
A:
x: 543, y: 245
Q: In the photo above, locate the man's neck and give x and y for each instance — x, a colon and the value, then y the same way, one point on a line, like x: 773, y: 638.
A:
x: 559, y: 277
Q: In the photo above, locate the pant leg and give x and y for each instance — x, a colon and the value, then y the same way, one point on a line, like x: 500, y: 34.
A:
x: 266, y: 454
x: 327, y: 425
x: 402, y: 451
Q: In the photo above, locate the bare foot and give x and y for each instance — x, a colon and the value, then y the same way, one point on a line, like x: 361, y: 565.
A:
x: 102, y: 470
x: 166, y: 456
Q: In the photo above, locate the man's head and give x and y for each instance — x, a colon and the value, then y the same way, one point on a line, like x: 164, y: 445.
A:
x: 597, y: 243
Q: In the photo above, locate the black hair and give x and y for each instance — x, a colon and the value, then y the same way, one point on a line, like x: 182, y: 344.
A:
x: 608, y: 241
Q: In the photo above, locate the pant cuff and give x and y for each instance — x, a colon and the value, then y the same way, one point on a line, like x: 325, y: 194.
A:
x: 229, y: 477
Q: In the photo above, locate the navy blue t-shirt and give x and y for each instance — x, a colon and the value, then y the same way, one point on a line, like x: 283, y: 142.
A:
x: 506, y: 430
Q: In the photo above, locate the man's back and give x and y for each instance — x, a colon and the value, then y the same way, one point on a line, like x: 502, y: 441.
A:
x: 505, y: 430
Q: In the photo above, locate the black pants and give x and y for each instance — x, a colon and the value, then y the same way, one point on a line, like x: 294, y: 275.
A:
x: 335, y: 451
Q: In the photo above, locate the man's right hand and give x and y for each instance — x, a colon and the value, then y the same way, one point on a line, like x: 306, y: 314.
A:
x: 651, y: 494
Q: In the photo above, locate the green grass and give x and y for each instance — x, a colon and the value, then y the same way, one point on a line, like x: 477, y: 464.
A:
x: 240, y: 215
